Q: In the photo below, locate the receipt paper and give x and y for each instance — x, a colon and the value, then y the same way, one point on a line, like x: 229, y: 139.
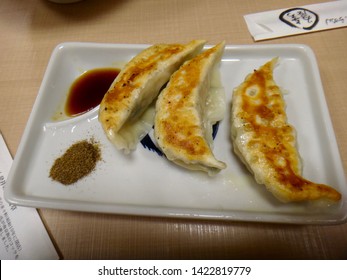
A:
x: 22, y: 233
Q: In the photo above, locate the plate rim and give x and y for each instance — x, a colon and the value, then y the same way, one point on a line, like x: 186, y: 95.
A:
x: 25, y: 200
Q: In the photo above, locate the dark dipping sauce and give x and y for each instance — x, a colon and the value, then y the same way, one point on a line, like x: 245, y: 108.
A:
x: 88, y: 90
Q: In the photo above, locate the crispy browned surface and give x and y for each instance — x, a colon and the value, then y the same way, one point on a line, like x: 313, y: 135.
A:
x: 139, y: 83
x: 269, y: 142
x: 179, y: 120
x: 118, y: 97
x: 182, y: 129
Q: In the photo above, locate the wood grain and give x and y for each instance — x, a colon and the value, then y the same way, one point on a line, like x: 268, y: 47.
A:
x: 29, y: 30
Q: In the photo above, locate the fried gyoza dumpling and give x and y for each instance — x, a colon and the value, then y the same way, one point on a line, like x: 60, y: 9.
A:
x: 122, y: 111
x: 183, y: 123
x: 266, y: 143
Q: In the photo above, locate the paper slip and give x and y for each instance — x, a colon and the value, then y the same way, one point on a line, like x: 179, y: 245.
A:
x: 22, y: 233
x: 297, y: 20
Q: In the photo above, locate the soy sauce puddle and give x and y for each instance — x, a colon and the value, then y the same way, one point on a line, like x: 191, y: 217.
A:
x: 87, y: 91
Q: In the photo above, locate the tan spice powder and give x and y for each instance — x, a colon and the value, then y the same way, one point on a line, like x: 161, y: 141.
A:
x: 78, y: 161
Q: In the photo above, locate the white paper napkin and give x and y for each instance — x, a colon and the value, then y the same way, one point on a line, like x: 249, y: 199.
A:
x: 297, y: 20
x: 22, y: 233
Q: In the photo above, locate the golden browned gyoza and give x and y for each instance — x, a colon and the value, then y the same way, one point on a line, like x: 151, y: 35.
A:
x: 183, y: 123
x: 266, y: 143
x: 127, y: 110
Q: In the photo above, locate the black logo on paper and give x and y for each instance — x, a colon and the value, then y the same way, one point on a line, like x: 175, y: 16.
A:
x: 300, y: 18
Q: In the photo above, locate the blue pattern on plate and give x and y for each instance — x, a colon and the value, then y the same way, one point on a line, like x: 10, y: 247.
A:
x: 148, y: 143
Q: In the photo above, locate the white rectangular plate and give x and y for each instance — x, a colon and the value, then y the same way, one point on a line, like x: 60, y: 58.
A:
x: 147, y: 184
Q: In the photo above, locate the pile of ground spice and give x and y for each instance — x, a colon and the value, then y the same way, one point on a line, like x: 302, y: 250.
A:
x: 78, y: 161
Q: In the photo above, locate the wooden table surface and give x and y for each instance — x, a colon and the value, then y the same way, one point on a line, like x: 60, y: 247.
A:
x: 29, y: 30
